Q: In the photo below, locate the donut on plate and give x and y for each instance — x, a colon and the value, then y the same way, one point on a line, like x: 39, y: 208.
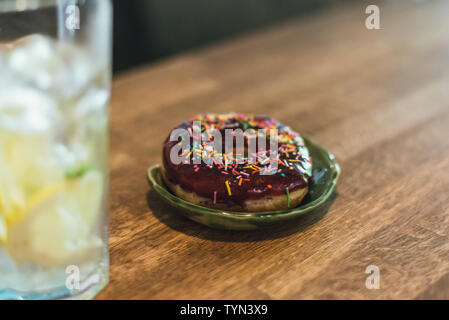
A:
x: 270, y: 170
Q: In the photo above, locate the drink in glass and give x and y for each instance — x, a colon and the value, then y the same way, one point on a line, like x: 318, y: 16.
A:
x: 54, y: 93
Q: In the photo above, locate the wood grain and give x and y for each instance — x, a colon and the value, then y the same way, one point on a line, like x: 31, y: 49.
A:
x: 377, y: 99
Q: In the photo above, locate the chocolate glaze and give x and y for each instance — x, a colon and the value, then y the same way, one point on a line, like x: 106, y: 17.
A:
x: 204, y: 180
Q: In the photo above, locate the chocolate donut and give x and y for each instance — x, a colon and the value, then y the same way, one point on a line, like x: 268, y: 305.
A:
x: 271, y: 170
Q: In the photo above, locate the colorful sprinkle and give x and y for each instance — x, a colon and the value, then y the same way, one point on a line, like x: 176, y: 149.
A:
x: 228, y: 187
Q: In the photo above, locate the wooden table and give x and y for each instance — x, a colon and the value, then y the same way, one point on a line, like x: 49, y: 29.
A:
x: 377, y: 99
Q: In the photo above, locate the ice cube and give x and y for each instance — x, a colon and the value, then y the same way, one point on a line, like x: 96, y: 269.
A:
x: 76, y: 73
x: 32, y: 59
x: 26, y: 110
x: 72, y: 155
x: 61, y: 68
x: 94, y: 101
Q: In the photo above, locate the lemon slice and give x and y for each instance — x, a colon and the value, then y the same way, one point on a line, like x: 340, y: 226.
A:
x: 32, y: 162
x: 12, y: 200
x: 40, y: 197
x: 3, y: 230
x: 58, y: 226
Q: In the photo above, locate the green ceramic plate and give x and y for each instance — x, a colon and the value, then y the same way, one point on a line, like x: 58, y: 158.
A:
x: 325, y: 172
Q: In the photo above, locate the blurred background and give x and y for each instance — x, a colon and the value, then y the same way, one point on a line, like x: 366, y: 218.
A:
x: 148, y: 30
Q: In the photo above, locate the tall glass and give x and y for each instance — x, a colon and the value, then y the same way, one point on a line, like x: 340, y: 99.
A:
x: 55, y: 75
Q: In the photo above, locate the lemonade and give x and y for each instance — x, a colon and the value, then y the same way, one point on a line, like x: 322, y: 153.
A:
x: 53, y: 167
